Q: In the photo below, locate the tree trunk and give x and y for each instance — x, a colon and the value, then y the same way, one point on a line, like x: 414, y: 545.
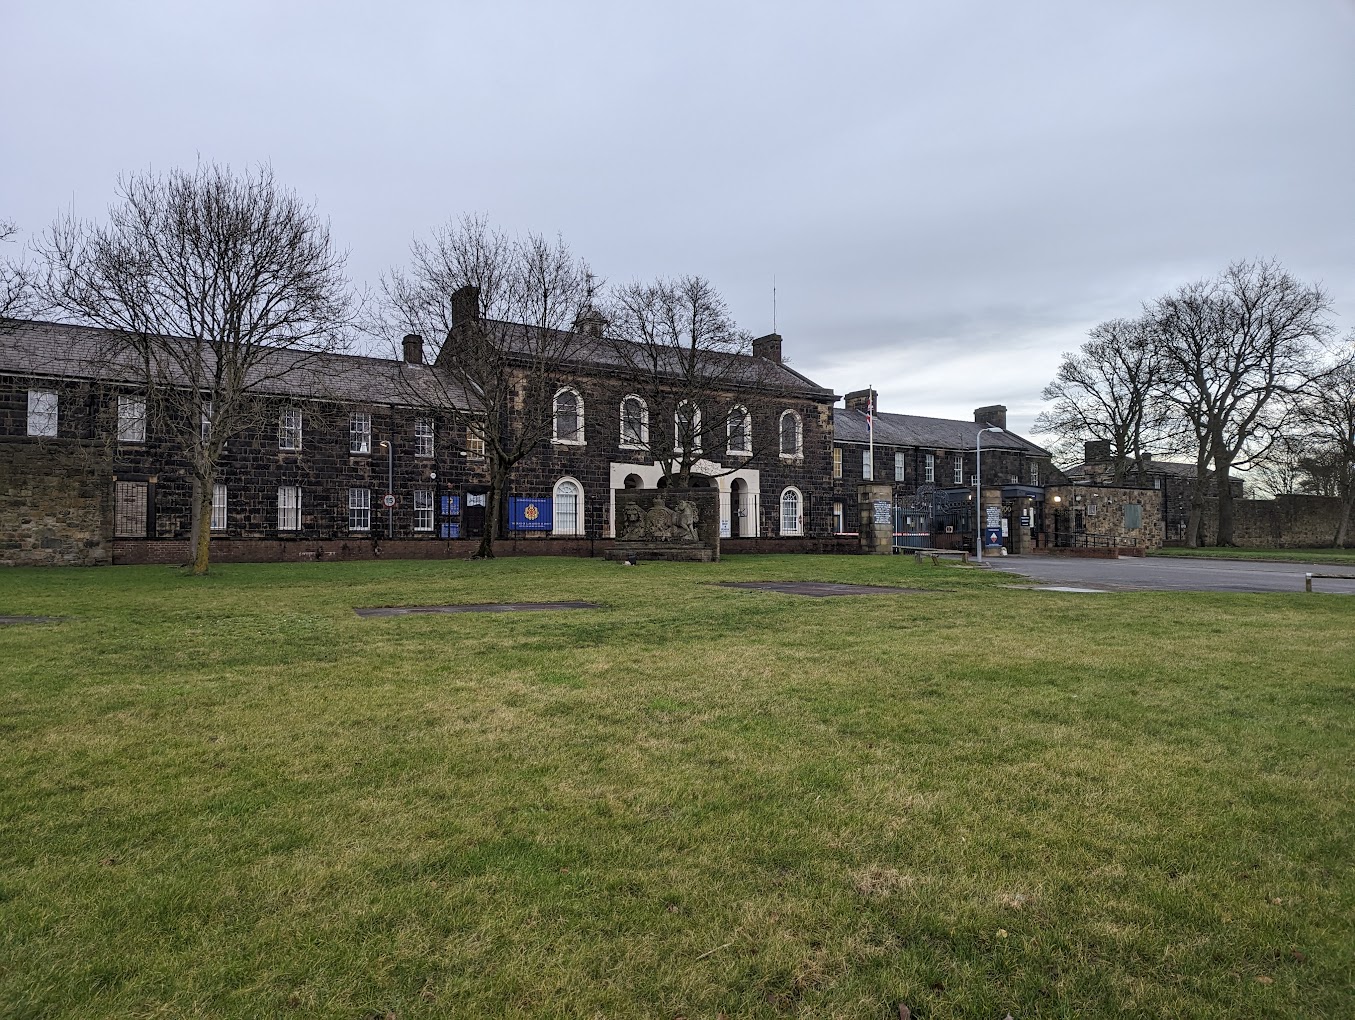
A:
x: 1343, y: 529
x: 1225, y: 534
x: 498, y: 479
x: 202, y: 531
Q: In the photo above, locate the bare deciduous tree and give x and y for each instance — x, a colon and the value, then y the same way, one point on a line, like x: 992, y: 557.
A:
x: 212, y: 286
x: 700, y: 392
x: 17, y: 297
x: 505, y: 309
x: 1327, y: 417
x: 1108, y: 390
x: 1237, y: 352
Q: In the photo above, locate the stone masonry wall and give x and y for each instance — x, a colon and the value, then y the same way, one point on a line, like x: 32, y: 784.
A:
x: 1286, y: 522
x: 53, y: 511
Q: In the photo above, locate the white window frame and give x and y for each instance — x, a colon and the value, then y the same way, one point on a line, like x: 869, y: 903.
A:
x: 739, y: 414
x: 959, y: 469
x: 799, y: 435
x: 641, y: 441
x: 44, y: 408
x: 423, y: 509
x: 205, y: 410
x: 557, y: 527
x: 289, y: 428
x: 839, y: 519
x: 359, y: 509
x: 359, y: 433
x: 1035, y: 472
x: 930, y: 469
x: 900, y: 467
x: 798, y: 519
x: 867, y: 466
x: 220, y: 507
x: 475, y: 444
x: 578, y: 439
x: 837, y: 462
x: 289, y: 508
x: 423, y: 438
x: 696, y: 427
x: 131, y: 419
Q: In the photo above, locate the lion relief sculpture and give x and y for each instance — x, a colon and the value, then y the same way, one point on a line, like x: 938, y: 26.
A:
x: 661, y: 523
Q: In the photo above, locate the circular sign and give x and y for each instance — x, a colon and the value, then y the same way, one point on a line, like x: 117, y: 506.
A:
x: 389, y: 500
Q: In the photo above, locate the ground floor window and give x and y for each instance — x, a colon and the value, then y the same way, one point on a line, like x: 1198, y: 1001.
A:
x: 218, y: 507
x: 791, y: 521
x: 839, y: 521
x: 568, y: 508
x: 129, y: 513
x: 423, y: 510
x: 289, y: 508
x: 359, y: 509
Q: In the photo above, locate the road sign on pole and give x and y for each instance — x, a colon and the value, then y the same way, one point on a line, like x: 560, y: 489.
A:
x: 388, y: 500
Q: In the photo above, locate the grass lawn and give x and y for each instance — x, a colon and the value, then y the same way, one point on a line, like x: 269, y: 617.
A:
x: 1341, y: 557
x: 234, y: 798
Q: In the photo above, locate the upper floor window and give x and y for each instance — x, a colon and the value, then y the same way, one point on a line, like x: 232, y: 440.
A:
x: 289, y: 429
x: 359, y: 432
x: 867, y: 468
x: 634, y: 422
x: 568, y: 422
x: 423, y: 438
x: 205, y: 421
x: 791, y: 522
x: 1035, y: 472
x: 42, y: 412
x: 837, y: 462
x: 131, y: 420
x: 687, y: 427
x: 898, y: 467
x: 740, y: 431
x: 792, y: 435
x: 475, y: 443
x: 930, y: 468
x: 959, y: 469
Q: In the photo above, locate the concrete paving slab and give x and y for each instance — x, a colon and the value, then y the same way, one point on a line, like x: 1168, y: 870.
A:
x: 1162, y: 573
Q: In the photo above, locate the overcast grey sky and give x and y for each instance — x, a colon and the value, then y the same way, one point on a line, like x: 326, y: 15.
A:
x: 948, y: 194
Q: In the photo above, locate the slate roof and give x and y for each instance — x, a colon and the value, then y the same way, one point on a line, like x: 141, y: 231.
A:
x: 1152, y: 467
x: 64, y: 351
x: 926, y: 433
x: 606, y: 353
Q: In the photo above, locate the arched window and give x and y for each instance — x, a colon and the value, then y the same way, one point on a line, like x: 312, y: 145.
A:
x: 792, y: 434
x: 567, y: 507
x: 568, y: 416
x: 687, y: 427
x: 634, y: 422
x: 791, y: 521
x: 740, y: 431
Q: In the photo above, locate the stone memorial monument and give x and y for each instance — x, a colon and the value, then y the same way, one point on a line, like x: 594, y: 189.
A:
x: 667, y: 524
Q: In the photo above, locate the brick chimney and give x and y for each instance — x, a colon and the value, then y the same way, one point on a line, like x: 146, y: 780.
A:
x: 1096, y: 451
x: 413, y: 344
x: 859, y: 400
x: 768, y: 347
x: 993, y: 414
x: 465, y: 305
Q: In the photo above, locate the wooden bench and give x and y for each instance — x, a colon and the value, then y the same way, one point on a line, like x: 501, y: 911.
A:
x: 936, y: 555
x: 1308, y: 579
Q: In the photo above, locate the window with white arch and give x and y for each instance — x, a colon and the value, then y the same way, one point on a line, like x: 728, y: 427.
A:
x: 792, y: 518
x: 568, y: 421
x: 567, y: 518
x: 634, y: 423
x: 687, y: 427
x: 792, y: 434
x: 740, y: 431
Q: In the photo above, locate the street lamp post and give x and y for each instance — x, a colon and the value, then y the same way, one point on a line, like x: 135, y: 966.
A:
x: 978, y: 491
x: 390, y: 485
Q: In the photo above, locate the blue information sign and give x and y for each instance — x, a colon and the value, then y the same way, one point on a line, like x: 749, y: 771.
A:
x: 992, y: 536
x: 451, y: 506
x: 451, y: 530
x: 529, y: 514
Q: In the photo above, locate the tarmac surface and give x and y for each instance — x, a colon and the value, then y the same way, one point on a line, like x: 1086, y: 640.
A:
x: 1162, y: 573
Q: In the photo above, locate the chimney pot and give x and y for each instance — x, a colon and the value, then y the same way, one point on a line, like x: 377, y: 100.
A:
x: 413, y: 344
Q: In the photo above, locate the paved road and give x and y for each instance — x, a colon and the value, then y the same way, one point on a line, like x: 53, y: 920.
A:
x: 1161, y: 573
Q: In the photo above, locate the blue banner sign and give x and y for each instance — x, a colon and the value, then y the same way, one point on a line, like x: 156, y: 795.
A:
x: 451, y: 506
x: 529, y: 514
x: 992, y: 536
x: 451, y: 530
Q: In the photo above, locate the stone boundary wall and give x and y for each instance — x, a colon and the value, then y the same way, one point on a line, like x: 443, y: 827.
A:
x: 52, y: 512
x: 1285, y: 522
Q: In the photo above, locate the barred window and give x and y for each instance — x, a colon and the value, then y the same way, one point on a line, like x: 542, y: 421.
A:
x: 359, y: 509
x: 289, y: 508
x: 360, y: 432
x: 129, y: 510
x: 218, y: 507
x: 131, y: 420
x: 423, y: 509
x: 790, y: 512
x: 567, y: 508
x: 42, y: 413
x: 289, y: 429
x: 423, y: 438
